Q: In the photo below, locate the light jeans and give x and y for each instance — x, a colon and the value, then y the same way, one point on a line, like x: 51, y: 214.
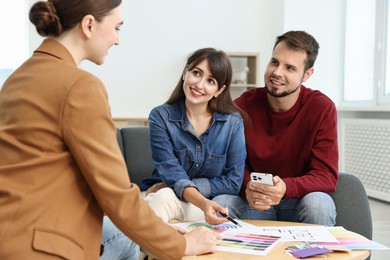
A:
x: 117, y: 246
x: 169, y: 207
x: 314, y: 208
x: 165, y: 204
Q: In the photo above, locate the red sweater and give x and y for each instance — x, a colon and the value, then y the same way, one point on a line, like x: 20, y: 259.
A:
x: 299, y: 145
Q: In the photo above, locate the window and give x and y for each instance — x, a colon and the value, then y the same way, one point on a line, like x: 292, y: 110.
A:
x: 367, y: 53
x: 387, y: 70
x: 14, y: 40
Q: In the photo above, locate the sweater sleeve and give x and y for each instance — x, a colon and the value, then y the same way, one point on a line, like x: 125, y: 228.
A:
x: 90, y: 136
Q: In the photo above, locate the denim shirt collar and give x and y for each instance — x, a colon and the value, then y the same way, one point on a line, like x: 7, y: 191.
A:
x: 177, y: 113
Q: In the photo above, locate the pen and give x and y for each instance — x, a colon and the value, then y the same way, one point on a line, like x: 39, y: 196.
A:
x: 230, y: 219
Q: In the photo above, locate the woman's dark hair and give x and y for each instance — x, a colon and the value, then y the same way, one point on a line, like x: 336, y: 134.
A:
x: 53, y: 17
x: 301, y: 40
x: 221, y: 69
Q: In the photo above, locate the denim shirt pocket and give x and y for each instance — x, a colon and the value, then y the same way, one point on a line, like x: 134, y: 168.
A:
x: 185, y: 158
x: 215, y: 164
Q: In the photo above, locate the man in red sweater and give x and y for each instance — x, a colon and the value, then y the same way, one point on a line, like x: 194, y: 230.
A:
x: 292, y: 135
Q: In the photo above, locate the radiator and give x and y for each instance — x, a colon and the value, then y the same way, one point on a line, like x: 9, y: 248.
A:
x: 365, y: 152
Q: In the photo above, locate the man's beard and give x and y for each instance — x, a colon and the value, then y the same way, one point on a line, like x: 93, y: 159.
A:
x: 273, y: 92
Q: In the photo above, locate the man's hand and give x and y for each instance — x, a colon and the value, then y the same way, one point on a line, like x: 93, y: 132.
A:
x: 262, y: 197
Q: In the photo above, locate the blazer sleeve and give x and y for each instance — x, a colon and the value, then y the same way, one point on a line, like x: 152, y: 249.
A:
x: 90, y: 135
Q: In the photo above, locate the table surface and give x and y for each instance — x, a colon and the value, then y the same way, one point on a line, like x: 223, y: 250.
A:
x: 278, y: 253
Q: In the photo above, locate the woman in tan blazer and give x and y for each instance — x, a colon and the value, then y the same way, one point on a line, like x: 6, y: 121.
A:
x: 60, y: 164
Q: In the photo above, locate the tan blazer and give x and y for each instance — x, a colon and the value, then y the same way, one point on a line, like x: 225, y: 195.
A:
x: 61, y: 167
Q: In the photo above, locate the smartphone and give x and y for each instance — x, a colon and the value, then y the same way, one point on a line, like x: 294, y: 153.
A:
x: 264, y: 178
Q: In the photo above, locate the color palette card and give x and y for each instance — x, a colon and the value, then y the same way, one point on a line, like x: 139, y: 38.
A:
x: 246, y: 239
x: 351, y: 240
x: 308, y: 252
x: 247, y: 242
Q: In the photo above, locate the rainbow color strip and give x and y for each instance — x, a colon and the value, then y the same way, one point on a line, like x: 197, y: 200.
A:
x: 218, y: 228
x: 248, y: 241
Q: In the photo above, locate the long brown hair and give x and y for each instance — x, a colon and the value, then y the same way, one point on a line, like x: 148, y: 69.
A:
x: 222, y: 71
x: 53, y: 17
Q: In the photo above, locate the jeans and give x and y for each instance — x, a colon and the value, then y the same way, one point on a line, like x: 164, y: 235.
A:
x: 117, y: 246
x: 315, y: 208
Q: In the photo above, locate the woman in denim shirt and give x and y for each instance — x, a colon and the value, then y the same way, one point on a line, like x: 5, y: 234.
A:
x: 198, y: 143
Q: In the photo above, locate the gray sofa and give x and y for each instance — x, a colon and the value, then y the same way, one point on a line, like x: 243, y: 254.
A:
x: 353, y: 210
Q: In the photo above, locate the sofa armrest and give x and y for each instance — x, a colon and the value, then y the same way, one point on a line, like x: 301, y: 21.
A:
x: 352, y: 206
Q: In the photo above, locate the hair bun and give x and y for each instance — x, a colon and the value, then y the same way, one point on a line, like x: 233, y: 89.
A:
x: 44, y: 16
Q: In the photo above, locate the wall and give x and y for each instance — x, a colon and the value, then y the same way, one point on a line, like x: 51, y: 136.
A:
x: 157, y: 37
x: 325, y: 21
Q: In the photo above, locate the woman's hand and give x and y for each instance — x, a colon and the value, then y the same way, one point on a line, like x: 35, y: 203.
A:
x: 211, y: 210
x: 201, y: 240
x: 181, y: 230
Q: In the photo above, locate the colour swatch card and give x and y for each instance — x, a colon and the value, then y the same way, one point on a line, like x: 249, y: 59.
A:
x: 245, y: 240
x: 309, y: 252
x: 351, y: 240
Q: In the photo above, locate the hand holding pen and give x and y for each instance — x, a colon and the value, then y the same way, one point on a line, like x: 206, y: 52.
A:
x: 215, y: 214
x: 230, y: 219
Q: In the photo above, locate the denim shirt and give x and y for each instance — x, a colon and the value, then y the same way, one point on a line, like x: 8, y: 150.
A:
x: 212, y: 163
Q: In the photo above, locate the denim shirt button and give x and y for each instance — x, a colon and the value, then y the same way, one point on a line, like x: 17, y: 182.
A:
x: 196, y: 164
